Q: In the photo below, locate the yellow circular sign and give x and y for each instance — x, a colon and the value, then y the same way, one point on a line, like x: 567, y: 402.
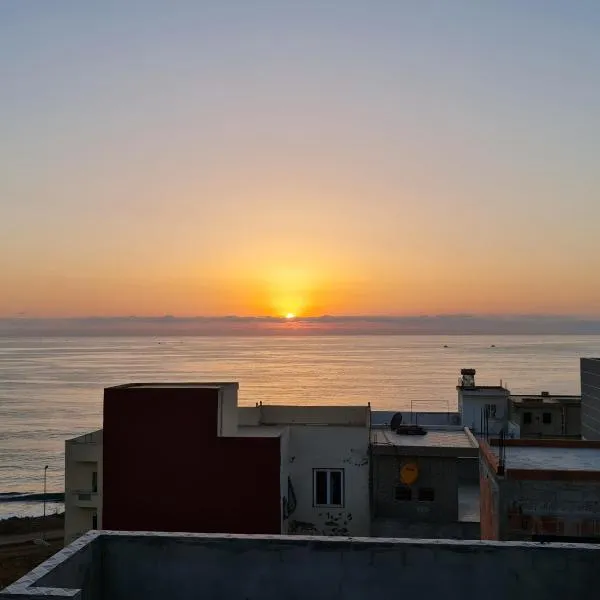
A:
x: 409, y: 473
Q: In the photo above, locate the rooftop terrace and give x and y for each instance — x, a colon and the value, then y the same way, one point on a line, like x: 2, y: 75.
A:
x: 153, y: 566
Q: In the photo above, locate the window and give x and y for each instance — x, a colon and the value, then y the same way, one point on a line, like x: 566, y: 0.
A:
x: 547, y: 418
x: 527, y: 418
x: 328, y: 487
x: 94, y: 481
x: 426, y: 495
x: 94, y: 520
x: 402, y: 493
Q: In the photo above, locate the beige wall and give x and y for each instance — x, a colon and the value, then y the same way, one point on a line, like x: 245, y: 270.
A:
x: 83, y: 456
x: 358, y: 416
x: 228, y: 410
x: 330, y: 447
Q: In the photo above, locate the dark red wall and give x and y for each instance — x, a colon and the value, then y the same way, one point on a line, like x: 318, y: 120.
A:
x: 165, y: 469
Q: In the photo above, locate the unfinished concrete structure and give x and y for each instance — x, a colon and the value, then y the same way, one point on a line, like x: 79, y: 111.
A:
x: 590, y: 398
x: 425, y: 485
x: 540, y: 490
x: 126, y: 566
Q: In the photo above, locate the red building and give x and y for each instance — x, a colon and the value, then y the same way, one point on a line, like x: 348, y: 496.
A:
x: 172, y: 462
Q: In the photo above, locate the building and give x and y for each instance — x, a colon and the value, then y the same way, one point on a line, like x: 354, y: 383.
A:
x: 546, y: 415
x: 153, y: 566
x: 185, y: 457
x: 590, y: 398
x: 83, y: 484
x: 425, y: 485
x: 482, y: 407
x: 540, y: 490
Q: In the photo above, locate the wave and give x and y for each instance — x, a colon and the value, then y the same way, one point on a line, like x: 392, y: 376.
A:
x: 31, y: 497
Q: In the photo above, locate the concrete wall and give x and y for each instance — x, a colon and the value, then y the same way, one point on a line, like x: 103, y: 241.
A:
x: 472, y: 401
x: 489, y: 502
x: 83, y: 456
x: 590, y: 398
x: 330, y: 447
x: 438, y: 473
x: 565, y: 420
x: 357, y: 416
x: 228, y: 410
x: 186, y: 567
x: 555, y: 508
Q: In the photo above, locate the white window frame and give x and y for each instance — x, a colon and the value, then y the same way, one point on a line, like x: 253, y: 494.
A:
x: 342, y: 490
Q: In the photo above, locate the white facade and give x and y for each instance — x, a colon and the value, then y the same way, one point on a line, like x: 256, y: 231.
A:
x: 482, y: 407
x: 83, y: 485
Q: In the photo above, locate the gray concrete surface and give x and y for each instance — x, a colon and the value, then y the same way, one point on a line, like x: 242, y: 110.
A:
x: 590, y: 398
x: 154, y: 566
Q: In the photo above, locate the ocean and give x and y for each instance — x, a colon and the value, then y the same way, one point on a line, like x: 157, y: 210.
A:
x: 51, y: 388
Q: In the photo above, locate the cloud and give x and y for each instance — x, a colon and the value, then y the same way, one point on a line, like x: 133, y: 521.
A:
x: 233, y: 325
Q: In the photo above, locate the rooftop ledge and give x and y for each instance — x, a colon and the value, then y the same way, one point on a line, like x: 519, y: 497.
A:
x: 182, y: 566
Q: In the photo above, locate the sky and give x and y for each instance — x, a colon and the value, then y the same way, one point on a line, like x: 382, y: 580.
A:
x: 276, y: 158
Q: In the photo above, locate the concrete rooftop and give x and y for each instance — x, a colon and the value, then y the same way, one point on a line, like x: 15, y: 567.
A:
x: 155, y: 566
x: 434, y: 438
x: 551, y: 458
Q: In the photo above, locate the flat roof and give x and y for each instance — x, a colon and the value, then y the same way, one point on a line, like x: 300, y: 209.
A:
x: 539, y: 399
x: 548, y: 458
x: 434, y: 438
x: 176, y: 384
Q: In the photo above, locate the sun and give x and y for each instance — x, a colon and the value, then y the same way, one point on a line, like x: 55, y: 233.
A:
x: 290, y: 315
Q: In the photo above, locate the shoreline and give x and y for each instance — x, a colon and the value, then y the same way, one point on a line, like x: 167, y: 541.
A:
x: 24, y: 525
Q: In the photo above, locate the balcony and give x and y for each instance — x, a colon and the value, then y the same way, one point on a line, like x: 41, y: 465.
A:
x: 85, y: 498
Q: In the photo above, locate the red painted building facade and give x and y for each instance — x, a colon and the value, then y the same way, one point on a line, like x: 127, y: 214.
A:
x: 172, y: 462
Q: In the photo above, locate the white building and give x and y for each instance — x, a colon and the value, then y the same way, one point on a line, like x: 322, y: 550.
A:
x: 83, y: 484
x: 482, y: 408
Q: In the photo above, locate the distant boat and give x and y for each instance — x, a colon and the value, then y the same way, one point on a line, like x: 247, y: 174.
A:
x: 445, y: 346
x: 493, y: 346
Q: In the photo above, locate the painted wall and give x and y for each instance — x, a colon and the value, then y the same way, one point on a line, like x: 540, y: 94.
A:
x: 590, y: 398
x: 83, y: 456
x: 437, y: 473
x: 179, y: 567
x: 330, y: 447
x: 472, y: 401
x: 165, y: 469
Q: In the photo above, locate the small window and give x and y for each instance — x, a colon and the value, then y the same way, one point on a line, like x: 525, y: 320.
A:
x: 328, y: 487
x: 94, y: 481
x: 402, y: 493
x: 527, y: 418
x: 547, y: 418
x: 95, y: 521
x: 426, y: 495
x: 490, y: 410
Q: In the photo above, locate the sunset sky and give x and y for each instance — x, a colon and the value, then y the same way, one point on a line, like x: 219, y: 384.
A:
x: 313, y: 157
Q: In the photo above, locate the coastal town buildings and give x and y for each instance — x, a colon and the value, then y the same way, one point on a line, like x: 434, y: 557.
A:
x: 185, y: 457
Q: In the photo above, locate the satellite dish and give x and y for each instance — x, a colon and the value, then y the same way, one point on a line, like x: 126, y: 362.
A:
x: 396, y: 421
